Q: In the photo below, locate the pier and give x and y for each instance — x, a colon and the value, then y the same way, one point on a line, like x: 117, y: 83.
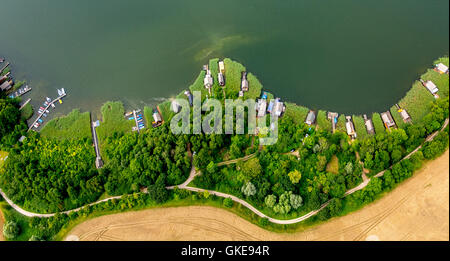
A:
x: 4, y: 67
x: 25, y: 104
x: 98, y: 159
x: 20, y: 92
x: 62, y: 95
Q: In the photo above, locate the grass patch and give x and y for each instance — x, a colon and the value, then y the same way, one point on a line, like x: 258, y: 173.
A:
x: 254, y: 89
x: 198, y: 85
x: 323, y: 122
x: 166, y: 111
x: 378, y: 124
x: 333, y: 165
x: 23, y: 221
x: 75, y: 125
x: 397, y: 117
x: 113, y: 115
x: 233, y: 74
x: 360, y: 127
x: 417, y: 102
x: 27, y: 112
x: 296, y: 112
x: 340, y: 125
x: 148, y: 116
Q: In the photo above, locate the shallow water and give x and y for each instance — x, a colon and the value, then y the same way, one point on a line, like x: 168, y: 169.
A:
x: 346, y: 56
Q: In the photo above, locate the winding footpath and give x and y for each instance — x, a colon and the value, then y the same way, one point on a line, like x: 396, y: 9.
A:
x: 193, y: 173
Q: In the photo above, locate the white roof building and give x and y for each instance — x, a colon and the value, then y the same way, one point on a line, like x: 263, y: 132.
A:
x: 261, y: 107
x: 387, y: 119
x: 442, y: 68
x: 404, y: 115
x: 222, y: 67
x: 157, y: 117
x: 310, y: 118
x: 350, y: 128
x: 175, y: 106
x: 278, y: 107
x: 208, y: 81
x: 431, y: 87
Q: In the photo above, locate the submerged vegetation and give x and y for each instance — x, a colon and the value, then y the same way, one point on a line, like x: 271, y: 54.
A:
x: 55, y: 170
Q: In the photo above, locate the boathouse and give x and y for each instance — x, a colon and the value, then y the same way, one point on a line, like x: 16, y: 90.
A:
x: 6, y: 85
x: 430, y: 86
x: 278, y: 107
x: 208, y: 81
x: 311, y: 118
x: 350, y: 127
x: 244, y: 82
x: 369, y: 125
x: 221, y: 79
x: 270, y: 107
x: 190, y: 97
x: 175, y: 106
x: 221, y: 67
x: 156, y: 117
x: 405, y: 116
x: 387, y: 119
x: 261, y: 107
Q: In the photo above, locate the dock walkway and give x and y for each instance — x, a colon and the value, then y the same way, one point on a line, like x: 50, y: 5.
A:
x: 24, y: 104
x: 98, y: 159
x: 46, y: 108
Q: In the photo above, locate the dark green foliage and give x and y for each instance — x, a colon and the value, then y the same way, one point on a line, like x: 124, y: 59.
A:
x: 47, y: 175
x: 228, y: 202
x: 135, y: 161
x: 158, y: 191
x: 11, y: 230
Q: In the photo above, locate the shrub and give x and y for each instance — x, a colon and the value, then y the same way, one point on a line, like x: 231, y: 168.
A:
x: 11, y: 229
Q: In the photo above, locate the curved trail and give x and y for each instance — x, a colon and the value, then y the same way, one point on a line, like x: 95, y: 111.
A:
x: 193, y: 173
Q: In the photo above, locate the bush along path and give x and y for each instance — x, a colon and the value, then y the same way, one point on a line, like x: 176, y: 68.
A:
x: 194, y: 173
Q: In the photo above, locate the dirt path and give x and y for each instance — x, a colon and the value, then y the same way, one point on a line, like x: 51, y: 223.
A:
x: 418, y: 209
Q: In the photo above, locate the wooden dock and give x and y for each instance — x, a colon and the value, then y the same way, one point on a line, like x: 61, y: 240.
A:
x: 20, y: 92
x: 4, y: 67
x: 136, y: 121
x: 98, y: 159
x: 46, y: 108
x: 25, y: 104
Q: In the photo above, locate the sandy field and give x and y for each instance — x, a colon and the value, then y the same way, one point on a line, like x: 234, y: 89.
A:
x: 418, y: 209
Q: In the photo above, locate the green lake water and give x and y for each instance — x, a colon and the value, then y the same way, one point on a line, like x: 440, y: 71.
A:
x: 349, y: 56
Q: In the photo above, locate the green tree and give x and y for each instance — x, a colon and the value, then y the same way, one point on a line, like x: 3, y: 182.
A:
x: 270, y: 201
x: 251, y: 168
x: 295, y: 176
x: 248, y: 189
x: 11, y: 229
x: 228, y: 202
x: 295, y: 200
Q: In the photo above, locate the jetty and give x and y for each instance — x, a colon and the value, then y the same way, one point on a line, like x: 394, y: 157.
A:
x: 25, y: 104
x: 20, y: 92
x: 333, y: 117
x: 61, y: 94
x: 140, y: 122
x: 4, y: 67
x: 98, y: 159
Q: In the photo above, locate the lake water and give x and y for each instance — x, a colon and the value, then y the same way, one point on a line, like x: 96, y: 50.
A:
x: 349, y: 56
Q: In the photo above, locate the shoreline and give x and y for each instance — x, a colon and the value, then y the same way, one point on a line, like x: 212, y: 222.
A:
x: 259, y: 90
x: 391, y: 217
